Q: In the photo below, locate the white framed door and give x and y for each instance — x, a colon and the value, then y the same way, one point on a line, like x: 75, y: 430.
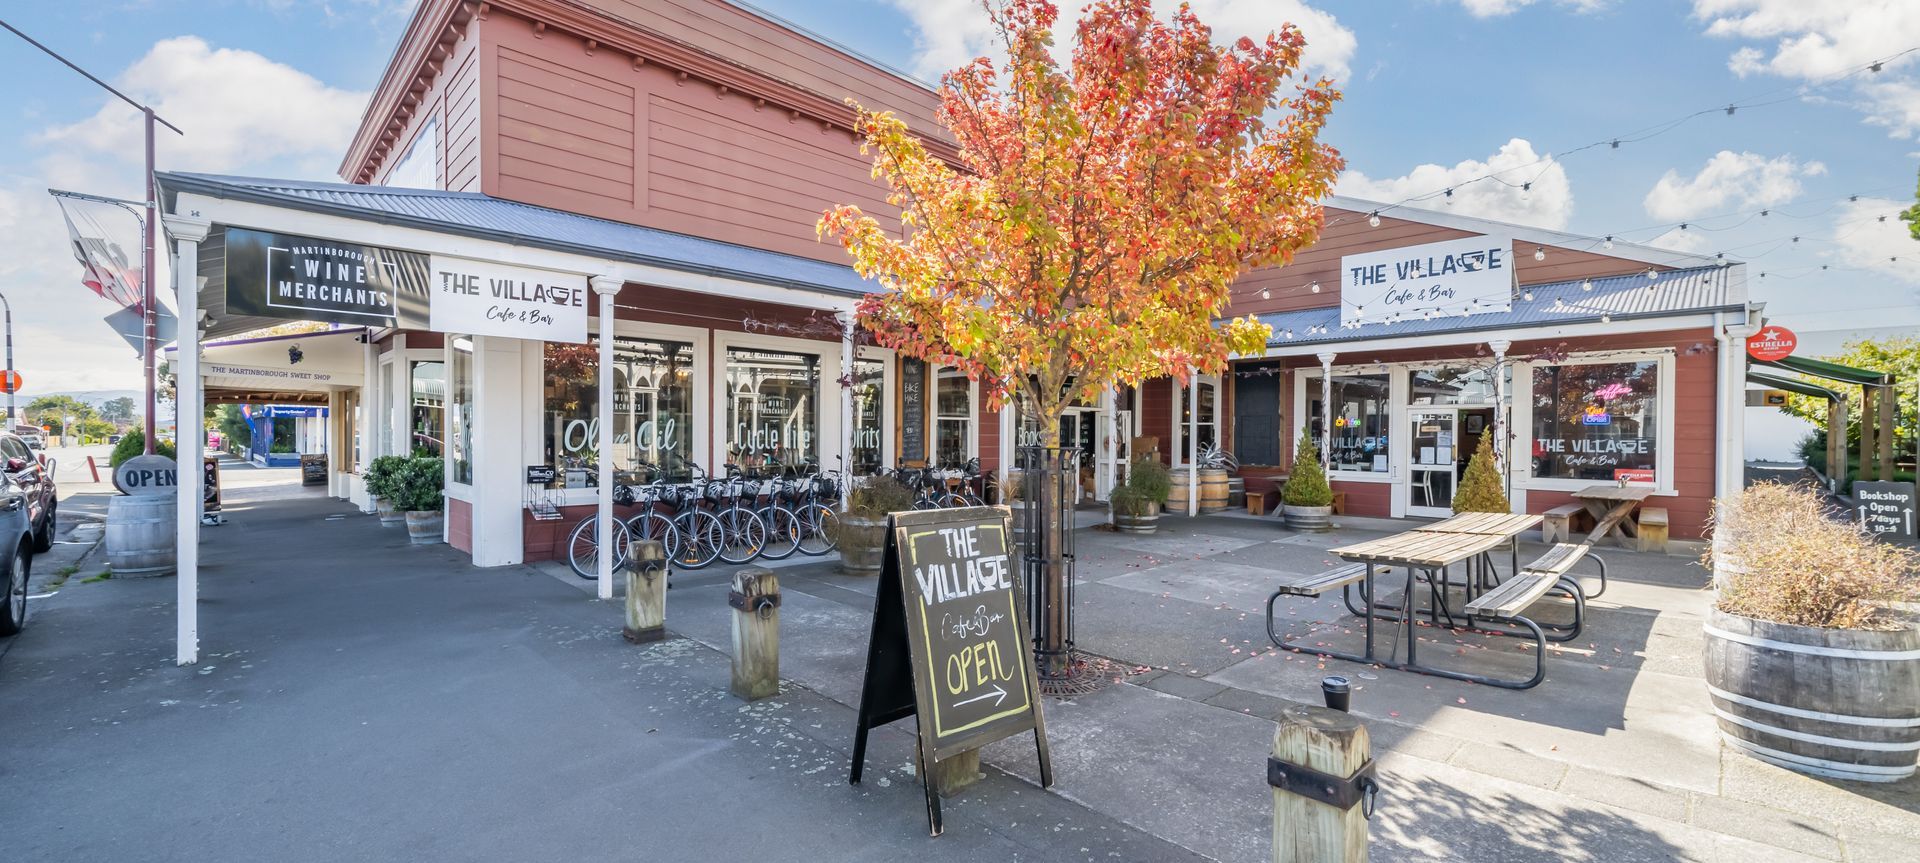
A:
x: 1433, y: 438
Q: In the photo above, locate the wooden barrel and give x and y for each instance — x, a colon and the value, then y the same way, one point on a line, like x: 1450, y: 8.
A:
x: 1236, y: 492
x: 863, y: 544
x: 1177, y: 496
x: 1840, y: 703
x: 1213, y: 489
x: 140, y: 535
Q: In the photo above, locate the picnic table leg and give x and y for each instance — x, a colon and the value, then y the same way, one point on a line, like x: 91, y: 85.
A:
x: 1369, y: 600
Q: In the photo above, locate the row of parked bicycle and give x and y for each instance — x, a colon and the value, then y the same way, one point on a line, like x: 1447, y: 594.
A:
x: 771, y: 511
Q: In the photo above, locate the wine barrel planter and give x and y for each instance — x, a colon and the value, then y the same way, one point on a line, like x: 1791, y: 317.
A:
x: 1236, y: 492
x: 140, y: 535
x: 423, y: 526
x: 389, y: 517
x: 1313, y: 518
x: 1147, y: 522
x: 1213, y: 489
x: 1177, y: 496
x: 863, y: 542
x: 1841, y: 703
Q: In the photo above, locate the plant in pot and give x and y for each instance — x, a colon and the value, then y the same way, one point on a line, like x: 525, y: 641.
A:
x: 1306, y: 502
x: 1813, y: 645
x: 861, y: 531
x: 418, y: 488
x: 381, y: 475
x: 1136, y: 503
x: 1480, y: 487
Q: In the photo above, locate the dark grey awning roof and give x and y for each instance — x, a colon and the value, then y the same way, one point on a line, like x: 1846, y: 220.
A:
x: 1755, y: 376
x: 484, y: 217
x: 1667, y: 294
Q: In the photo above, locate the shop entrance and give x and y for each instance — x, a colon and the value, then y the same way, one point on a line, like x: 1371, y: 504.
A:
x: 1442, y: 440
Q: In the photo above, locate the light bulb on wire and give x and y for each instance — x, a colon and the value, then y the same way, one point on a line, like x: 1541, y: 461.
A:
x: 1539, y: 253
x: 1315, y: 287
x: 1373, y: 219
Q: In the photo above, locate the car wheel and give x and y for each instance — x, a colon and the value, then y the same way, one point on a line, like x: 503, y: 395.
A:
x: 43, y: 538
x: 15, y: 616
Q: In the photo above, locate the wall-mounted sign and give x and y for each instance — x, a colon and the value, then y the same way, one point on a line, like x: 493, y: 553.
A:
x: 489, y: 299
x: 1885, y: 509
x: 1471, y: 275
x: 541, y: 474
x: 913, y: 410
x: 146, y: 476
x: 1772, y: 343
x: 306, y: 279
x: 1766, y: 398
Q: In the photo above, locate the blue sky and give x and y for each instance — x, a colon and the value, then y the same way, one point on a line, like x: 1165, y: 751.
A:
x: 1435, y: 89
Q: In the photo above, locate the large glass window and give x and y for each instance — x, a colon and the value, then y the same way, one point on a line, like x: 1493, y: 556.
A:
x: 1452, y: 385
x: 1596, y: 421
x: 429, y: 404
x: 773, y: 408
x: 1205, y: 427
x: 953, y: 418
x: 1360, y: 430
x: 869, y: 407
x: 652, y: 410
x: 460, y: 411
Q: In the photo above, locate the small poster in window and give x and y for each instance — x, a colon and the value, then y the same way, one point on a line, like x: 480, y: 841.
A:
x: 1444, y: 439
x: 1426, y: 455
x: 1379, y: 464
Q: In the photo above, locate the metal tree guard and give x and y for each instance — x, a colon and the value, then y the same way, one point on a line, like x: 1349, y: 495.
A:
x: 1049, y: 477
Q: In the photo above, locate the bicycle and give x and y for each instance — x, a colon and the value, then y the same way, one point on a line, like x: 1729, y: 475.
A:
x: 743, y: 533
x: 818, y: 520
x: 651, y: 523
x: 700, y: 535
x: 583, y: 544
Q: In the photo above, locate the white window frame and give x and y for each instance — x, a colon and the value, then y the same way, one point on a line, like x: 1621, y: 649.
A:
x: 1179, y: 412
x: 889, y: 420
x: 535, y: 394
x: 830, y: 439
x: 456, y: 489
x: 973, y: 418
x: 1522, y: 457
x: 1397, y: 379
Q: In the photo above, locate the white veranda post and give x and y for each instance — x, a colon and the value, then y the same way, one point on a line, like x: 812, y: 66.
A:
x: 1193, y: 436
x: 1501, y: 443
x: 608, y: 287
x: 848, y: 381
x: 1326, y: 411
x: 191, y: 436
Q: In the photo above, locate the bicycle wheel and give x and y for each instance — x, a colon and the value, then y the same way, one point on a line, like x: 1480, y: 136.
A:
x: 783, y: 533
x: 952, y: 500
x: 652, y: 525
x: 818, y: 526
x: 583, y: 547
x: 701, y: 537
x: 745, y: 535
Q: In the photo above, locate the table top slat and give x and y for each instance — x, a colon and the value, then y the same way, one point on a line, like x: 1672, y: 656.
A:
x: 1421, y: 548
x: 1616, y: 493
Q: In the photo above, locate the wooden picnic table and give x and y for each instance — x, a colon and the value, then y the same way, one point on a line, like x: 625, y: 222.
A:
x: 1612, y: 509
x: 1416, y: 551
x: 1493, y: 523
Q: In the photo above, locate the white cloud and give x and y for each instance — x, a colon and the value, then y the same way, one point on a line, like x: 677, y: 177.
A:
x: 1547, y: 202
x: 1862, y: 240
x: 1680, y: 241
x: 1729, y: 180
x: 1499, y: 8
x: 951, y: 33
x: 1815, y: 41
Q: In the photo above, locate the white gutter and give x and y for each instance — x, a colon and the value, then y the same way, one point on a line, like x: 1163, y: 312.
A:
x: 1730, y: 406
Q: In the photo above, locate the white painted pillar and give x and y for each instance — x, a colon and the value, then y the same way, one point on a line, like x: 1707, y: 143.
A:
x: 1109, y: 445
x: 402, y: 395
x: 608, y: 287
x: 1730, y: 411
x: 1326, y: 410
x: 848, y: 382
x: 190, y: 439
x: 1501, y: 446
x: 369, y: 402
x: 1193, y: 434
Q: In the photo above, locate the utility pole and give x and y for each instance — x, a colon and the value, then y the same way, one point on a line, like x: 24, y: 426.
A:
x: 12, y: 418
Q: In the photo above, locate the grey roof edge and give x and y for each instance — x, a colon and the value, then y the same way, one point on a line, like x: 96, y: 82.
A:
x: 236, y: 188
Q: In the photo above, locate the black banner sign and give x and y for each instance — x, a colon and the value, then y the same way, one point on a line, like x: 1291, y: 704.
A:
x: 949, y: 643
x: 913, y: 410
x: 541, y: 474
x: 306, y: 279
x: 1885, y: 509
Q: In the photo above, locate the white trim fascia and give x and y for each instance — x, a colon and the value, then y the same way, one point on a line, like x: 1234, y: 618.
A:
x: 1468, y: 338
x: 1524, y: 233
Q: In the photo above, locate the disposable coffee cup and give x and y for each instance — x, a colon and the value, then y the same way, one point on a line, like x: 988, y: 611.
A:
x: 1337, y: 691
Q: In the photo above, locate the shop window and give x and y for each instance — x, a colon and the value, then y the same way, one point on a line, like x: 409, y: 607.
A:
x: 1361, y: 442
x: 1451, y: 385
x: 460, y: 410
x: 953, y: 418
x: 419, y: 168
x: 1596, y: 421
x: 869, y: 406
x: 773, y: 408
x: 428, y: 407
x: 652, y: 410
x: 1206, y: 426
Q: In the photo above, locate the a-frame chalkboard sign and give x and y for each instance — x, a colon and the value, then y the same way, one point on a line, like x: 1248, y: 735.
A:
x: 949, y: 642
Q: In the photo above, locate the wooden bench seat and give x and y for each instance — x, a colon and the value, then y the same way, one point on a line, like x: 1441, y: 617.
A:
x: 1558, y: 559
x: 1653, y: 528
x: 1321, y: 582
x: 1558, y: 525
x: 1513, y: 596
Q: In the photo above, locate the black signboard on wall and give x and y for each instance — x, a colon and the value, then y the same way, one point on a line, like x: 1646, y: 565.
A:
x: 299, y: 278
x: 913, y: 410
x: 949, y: 644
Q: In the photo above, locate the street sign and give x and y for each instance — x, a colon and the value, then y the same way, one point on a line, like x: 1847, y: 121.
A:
x: 129, y: 325
x: 1885, y: 509
x: 10, y: 381
x: 949, y: 643
x: 146, y: 476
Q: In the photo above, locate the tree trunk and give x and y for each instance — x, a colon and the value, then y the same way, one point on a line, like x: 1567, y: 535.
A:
x: 1052, y: 651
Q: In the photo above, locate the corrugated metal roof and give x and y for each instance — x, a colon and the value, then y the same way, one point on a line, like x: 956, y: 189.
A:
x: 1671, y: 293
x: 485, y: 217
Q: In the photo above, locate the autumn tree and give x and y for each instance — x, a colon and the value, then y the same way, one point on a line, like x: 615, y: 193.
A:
x: 1098, y: 212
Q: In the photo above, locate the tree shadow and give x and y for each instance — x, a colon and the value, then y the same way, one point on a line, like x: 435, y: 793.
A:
x: 1439, y: 821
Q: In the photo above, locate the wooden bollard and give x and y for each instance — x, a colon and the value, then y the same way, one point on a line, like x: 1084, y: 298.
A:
x: 955, y: 772
x: 1322, y: 777
x: 756, y: 633
x: 646, y: 592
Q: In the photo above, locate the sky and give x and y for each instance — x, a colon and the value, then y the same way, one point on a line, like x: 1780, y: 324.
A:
x: 1437, y: 94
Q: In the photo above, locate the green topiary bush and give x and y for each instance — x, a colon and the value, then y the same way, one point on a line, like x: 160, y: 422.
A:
x: 1481, y: 489
x: 1307, y: 484
x: 1150, y: 479
x: 134, y: 443
x: 417, y: 485
x: 380, y: 476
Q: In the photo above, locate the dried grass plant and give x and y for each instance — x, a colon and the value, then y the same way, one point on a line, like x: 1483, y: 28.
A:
x: 1795, y: 564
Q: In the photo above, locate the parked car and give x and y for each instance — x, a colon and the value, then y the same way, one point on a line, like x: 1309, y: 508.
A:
x: 114, y: 438
x: 28, y: 503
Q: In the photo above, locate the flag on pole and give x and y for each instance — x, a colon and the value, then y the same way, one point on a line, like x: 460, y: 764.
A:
x: 110, y: 263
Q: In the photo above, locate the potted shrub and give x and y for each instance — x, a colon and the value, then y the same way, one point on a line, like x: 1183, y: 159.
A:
x: 861, y: 531
x: 1306, y: 502
x: 1136, y: 503
x: 1480, y: 488
x: 1812, y: 648
x: 381, y: 473
x: 418, y: 485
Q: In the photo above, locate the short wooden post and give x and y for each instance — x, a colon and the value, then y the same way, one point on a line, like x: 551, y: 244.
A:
x: 756, y: 633
x: 646, y: 592
x: 1306, y: 830
x: 955, y: 772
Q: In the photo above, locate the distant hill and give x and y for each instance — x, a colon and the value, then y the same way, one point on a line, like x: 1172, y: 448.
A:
x: 92, y: 397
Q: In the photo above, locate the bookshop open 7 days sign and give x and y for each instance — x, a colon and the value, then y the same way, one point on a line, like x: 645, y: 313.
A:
x: 492, y: 299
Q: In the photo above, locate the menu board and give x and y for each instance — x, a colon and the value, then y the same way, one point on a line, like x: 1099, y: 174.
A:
x: 913, y: 410
x: 1885, y: 509
x: 949, y: 643
x: 313, y: 469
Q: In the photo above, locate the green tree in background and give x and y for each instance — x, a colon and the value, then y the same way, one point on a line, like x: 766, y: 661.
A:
x: 54, y: 410
x: 1899, y: 356
x: 1481, y: 489
x: 118, y: 410
x: 1912, y: 214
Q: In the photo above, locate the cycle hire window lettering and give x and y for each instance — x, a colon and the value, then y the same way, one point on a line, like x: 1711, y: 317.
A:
x: 773, y: 408
x: 653, y: 421
x: 1596, y: 421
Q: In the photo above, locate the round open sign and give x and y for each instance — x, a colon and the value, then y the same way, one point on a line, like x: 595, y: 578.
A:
x: 1772, y: 343
x: 146, y: 475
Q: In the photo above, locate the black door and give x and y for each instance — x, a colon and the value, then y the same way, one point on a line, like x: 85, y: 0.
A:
x: 1256, y: 419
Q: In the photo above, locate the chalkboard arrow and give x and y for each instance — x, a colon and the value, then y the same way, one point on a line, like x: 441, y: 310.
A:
x: 998, y: 695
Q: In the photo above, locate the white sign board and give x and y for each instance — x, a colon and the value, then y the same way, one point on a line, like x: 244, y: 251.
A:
x: 1470, y: 276
x: 488, y: 299
x: 146, y: 475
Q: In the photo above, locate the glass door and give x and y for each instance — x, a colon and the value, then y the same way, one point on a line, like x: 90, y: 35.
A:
x: 1431, y: 477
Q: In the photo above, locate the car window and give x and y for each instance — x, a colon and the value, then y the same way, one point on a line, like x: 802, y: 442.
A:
x: 13, y: 448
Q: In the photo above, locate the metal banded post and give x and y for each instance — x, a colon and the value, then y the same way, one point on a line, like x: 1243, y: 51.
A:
x: 755, y: 598
x: 1322, y: 775
x: 647, y: 575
